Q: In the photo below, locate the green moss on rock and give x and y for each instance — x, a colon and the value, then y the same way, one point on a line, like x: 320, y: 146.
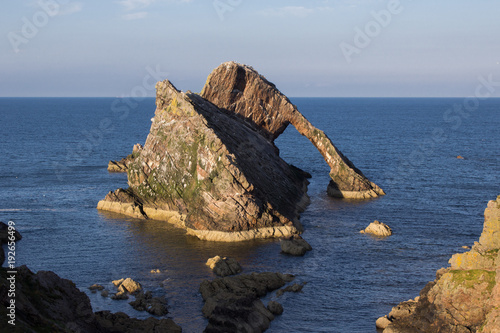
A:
x: 472, y: 278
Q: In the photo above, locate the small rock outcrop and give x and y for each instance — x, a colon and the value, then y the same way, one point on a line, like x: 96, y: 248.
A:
x: 295, y: 245
x: 125, y: 287
x: 224, y: 266
x: 122, y: 165
x: 6, y: 236
x: 144, y: 301
x: 209, y: 163
x: 464, y: 297
x: 294, y: 288
x: 275, y: 308
x: 378, y: 229
x: 96, y: 287
x: 232, y: 303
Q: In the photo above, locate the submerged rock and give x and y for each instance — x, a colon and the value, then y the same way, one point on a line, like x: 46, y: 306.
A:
x: 294, y: 288
x: 223, y: 266
x: 295, y: 245
x: 209, y: 163
x: 378, y: 229
x: 232, y: 303
x: 464, y: 297
x: 96, y: 287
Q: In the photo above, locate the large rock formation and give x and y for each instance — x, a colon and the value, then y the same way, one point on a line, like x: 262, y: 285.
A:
x: 239, y: 89
x: 219, y: 176
x: 464, y: 297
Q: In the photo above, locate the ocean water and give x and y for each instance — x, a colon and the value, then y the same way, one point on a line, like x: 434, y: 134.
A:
x: 54, y: 153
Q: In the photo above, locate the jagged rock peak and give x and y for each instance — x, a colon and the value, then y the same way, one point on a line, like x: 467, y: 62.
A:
x: 241, y: 90
x: 210, y: 173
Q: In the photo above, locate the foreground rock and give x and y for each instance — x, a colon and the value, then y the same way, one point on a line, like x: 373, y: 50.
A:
x: 295, y: 245
x: 232, y: 304
x: 224, y: 266
x: 47, y: 303
x: 121, y: 323
x: 239, y: 89
x: 464, y: 297
x: 378, y: 229
x: 122, y: 165
x: 215, y: 171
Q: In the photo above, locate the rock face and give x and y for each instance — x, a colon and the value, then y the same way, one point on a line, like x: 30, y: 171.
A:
x: 295, y: 245
x: 239, y: 89
x: 210, y: 173
x: 45, y: 302
x: 464, y: 297
x: 122, y: 165
x: 378, y: 229
x: 232, y: 303
x: 209, y: 163
x: 223, y: 266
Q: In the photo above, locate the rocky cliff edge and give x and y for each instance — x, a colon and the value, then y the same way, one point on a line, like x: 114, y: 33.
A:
x: 465, y: 297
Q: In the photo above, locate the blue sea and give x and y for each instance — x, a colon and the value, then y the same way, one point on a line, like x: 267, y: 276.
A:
x: 54, y: 154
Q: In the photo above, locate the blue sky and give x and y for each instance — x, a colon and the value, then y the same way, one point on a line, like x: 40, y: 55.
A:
x: 307, y: 48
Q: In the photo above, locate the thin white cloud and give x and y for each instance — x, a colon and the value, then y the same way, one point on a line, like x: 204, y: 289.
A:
x: 135, y: 16
x: 130, y: 5
x: 70, y: 8
x: 297, y: 11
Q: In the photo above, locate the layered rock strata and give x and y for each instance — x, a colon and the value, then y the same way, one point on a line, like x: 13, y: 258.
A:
x: 464, y: 297
x: 239, y: 89
x: 122, y: 165
x: 208, y: 172
x: 210, y: 168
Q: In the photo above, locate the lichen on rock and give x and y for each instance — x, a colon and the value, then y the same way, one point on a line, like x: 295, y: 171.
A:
x: 464, y: 297
x: 216, y: 172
